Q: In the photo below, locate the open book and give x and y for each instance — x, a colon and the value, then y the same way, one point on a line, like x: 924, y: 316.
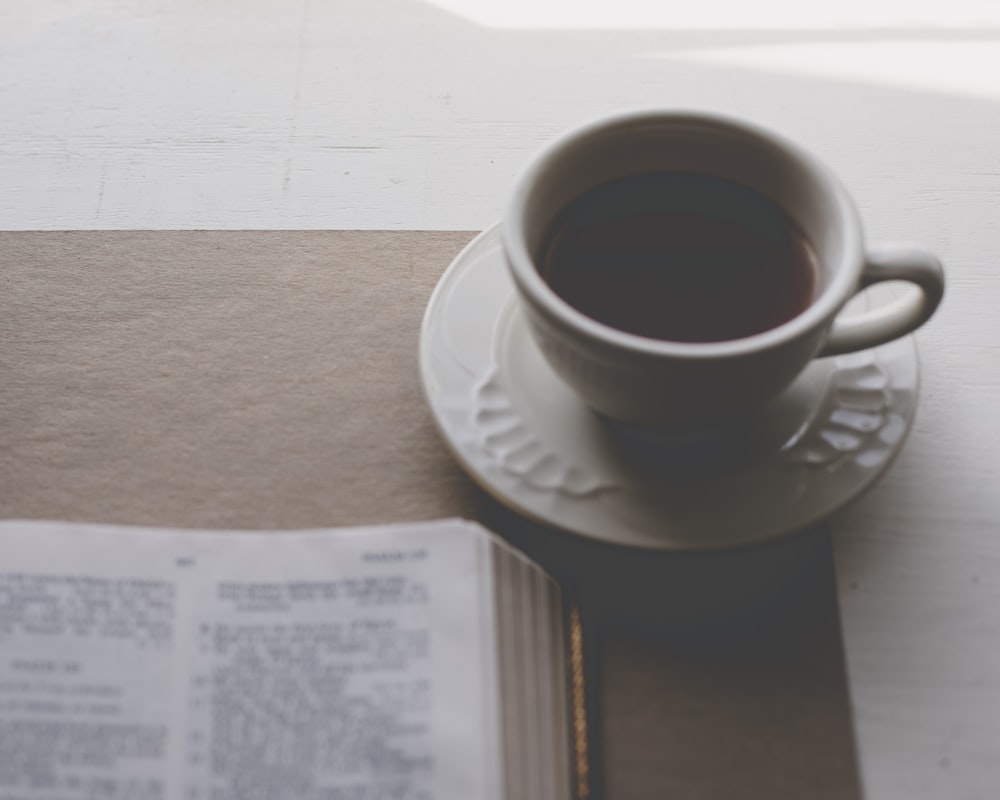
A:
x: 406, y: 662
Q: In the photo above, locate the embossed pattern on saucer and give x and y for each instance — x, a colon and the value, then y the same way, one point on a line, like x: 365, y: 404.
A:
x: 528, y: 440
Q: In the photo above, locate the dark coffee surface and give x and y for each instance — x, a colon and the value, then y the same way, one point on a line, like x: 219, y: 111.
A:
x: 680, y: 257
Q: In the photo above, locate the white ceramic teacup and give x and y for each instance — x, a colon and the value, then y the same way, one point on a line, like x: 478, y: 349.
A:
x: 691, y: 386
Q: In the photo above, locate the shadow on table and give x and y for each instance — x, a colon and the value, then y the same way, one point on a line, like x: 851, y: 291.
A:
x: 711, y: 675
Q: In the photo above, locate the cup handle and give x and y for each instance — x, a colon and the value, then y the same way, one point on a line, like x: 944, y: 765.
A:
x: 901, y: 316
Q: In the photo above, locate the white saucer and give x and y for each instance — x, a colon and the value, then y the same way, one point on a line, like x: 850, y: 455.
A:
x: 529, y: 441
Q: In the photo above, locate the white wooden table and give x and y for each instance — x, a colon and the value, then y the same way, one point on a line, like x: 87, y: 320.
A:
x: 415, y: 114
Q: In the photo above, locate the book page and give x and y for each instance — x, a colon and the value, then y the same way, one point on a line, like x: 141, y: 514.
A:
x: 149, y: 664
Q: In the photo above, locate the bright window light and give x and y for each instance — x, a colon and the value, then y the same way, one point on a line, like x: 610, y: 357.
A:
x: 725, y: 14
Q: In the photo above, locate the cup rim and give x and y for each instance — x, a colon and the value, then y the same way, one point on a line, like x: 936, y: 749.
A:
x: 531, y: 284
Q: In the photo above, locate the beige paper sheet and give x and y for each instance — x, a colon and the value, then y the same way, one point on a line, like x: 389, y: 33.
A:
x: 269, y: 380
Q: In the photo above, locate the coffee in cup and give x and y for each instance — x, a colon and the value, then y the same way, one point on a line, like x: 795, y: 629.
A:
x: 679, y: 256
